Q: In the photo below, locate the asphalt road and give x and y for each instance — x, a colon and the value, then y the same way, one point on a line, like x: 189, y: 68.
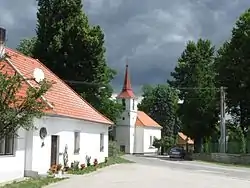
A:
x: 229, y: 171
x: 152, y: 173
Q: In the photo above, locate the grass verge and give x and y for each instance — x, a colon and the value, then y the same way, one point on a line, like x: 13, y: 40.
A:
x: 33, y: 183
x: 111, y: 161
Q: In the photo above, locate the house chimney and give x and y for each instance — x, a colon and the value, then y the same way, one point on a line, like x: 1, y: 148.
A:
x: 2, y: 41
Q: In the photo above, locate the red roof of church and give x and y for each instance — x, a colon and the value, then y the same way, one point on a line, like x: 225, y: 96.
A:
x: 144, y: 120
x: 127, y: 91
x: 63, y: 100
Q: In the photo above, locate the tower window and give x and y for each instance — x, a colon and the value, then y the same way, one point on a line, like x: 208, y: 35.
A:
x: 123, y: 104
x: 123, y: 118
x: 133, y: 104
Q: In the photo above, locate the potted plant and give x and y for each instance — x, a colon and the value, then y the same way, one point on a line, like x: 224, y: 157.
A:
x: 88, y: 158
x: 82, y: 166
x: 95, y: 162
x: 59, y: 170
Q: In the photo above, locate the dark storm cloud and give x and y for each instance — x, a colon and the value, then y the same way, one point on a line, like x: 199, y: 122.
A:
x: 150, y: 34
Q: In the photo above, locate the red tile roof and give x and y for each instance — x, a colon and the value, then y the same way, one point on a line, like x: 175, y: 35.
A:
x: 127, y: 91
x: 185, y: 138
x: 65, y: 101
x: 144, y: 120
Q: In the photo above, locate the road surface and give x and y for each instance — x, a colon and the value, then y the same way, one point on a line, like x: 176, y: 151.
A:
x: 152, y: 173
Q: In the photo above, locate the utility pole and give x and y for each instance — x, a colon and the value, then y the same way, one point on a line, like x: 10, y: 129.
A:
x: 222, y: 121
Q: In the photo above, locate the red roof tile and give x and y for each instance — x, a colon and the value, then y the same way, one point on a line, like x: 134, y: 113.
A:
x: 127, y: 91
x: 185, y: 138
x: 144, y: 120
x: 65, y: 101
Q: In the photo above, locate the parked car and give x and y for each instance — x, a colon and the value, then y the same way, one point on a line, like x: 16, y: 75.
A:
x: 177, y: 152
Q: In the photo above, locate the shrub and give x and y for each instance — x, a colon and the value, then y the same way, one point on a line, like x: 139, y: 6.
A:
x: 113, y: 149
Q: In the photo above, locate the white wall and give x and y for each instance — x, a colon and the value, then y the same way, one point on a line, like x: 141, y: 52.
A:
x: 122, y: 136
x: 139, y: 139
x: 12, y: 167
x: 65, y: 128
x: 148, y: 131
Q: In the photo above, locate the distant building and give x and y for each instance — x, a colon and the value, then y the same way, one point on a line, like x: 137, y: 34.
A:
x: 135, y: 130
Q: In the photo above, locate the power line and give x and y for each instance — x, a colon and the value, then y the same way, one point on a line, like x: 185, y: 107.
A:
x: 83, y: 82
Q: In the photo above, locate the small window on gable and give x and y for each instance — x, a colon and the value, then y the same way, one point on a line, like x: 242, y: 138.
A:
x: 76, y: 142
x: 101, y: 142
x: 124, y: 104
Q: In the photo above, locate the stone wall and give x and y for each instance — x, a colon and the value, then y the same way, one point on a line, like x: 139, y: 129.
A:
x: 223, y: 158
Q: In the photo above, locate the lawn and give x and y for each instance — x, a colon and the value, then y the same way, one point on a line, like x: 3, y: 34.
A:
x: 33, y: 183
x: 92, y: 168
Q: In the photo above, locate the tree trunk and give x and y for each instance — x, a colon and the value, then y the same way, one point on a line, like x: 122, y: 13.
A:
x: 197, y: 145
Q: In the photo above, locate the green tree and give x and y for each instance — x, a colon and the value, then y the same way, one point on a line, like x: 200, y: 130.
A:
x: 18, y: 111
x: 194, y: 77
x: 26, y: 46
x: 232, y: 64
x: 160, y: 103
x: 74, y: 50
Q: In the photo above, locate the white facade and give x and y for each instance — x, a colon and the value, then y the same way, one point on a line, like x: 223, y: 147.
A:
x: 134, y: 139
x: 31, y: 156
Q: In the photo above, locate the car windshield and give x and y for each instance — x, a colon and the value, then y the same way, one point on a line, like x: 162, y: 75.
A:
x: 175, y: 149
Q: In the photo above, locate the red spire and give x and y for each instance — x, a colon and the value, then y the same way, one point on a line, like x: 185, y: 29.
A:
x: 127, y: 91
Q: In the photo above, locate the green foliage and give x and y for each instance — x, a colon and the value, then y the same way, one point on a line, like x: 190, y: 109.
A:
x: 114, y: 151
x: 110, y: 161
x: 165, y: 142
x: 160, y: 103
x: 74, y: 50
x: 236, y: 140
x: 27, y: 46
x: 194, y: 76
x: 33, y: 183
x: 18, y: 111
x: 232, y: 64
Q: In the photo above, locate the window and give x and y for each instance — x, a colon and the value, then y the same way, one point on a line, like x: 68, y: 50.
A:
x: 133, y: 104
x: 151, y: 141
x: 7, y: 146
x: 77, y: 143
x: 124, y: 104
x: 101, y: 142
x: 123, y: 118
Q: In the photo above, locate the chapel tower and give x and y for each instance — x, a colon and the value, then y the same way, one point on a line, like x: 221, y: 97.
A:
x: 125, y: 130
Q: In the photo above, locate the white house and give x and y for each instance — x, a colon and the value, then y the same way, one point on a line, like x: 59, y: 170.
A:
x: 70, y: 123
x: 135, y: 130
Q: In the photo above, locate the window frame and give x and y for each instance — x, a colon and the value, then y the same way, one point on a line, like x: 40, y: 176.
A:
x: 3, y: 146
x: 124, y: 104
x: 77, y: 140
x: 151, y: 141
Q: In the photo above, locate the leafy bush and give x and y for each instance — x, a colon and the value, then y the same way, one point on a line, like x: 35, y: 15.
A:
x: 113, y: 149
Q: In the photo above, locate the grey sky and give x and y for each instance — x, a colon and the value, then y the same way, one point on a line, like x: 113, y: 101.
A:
x: 150, y: 33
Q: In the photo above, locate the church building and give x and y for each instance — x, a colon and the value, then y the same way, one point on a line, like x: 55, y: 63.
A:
x: 135, y: 130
